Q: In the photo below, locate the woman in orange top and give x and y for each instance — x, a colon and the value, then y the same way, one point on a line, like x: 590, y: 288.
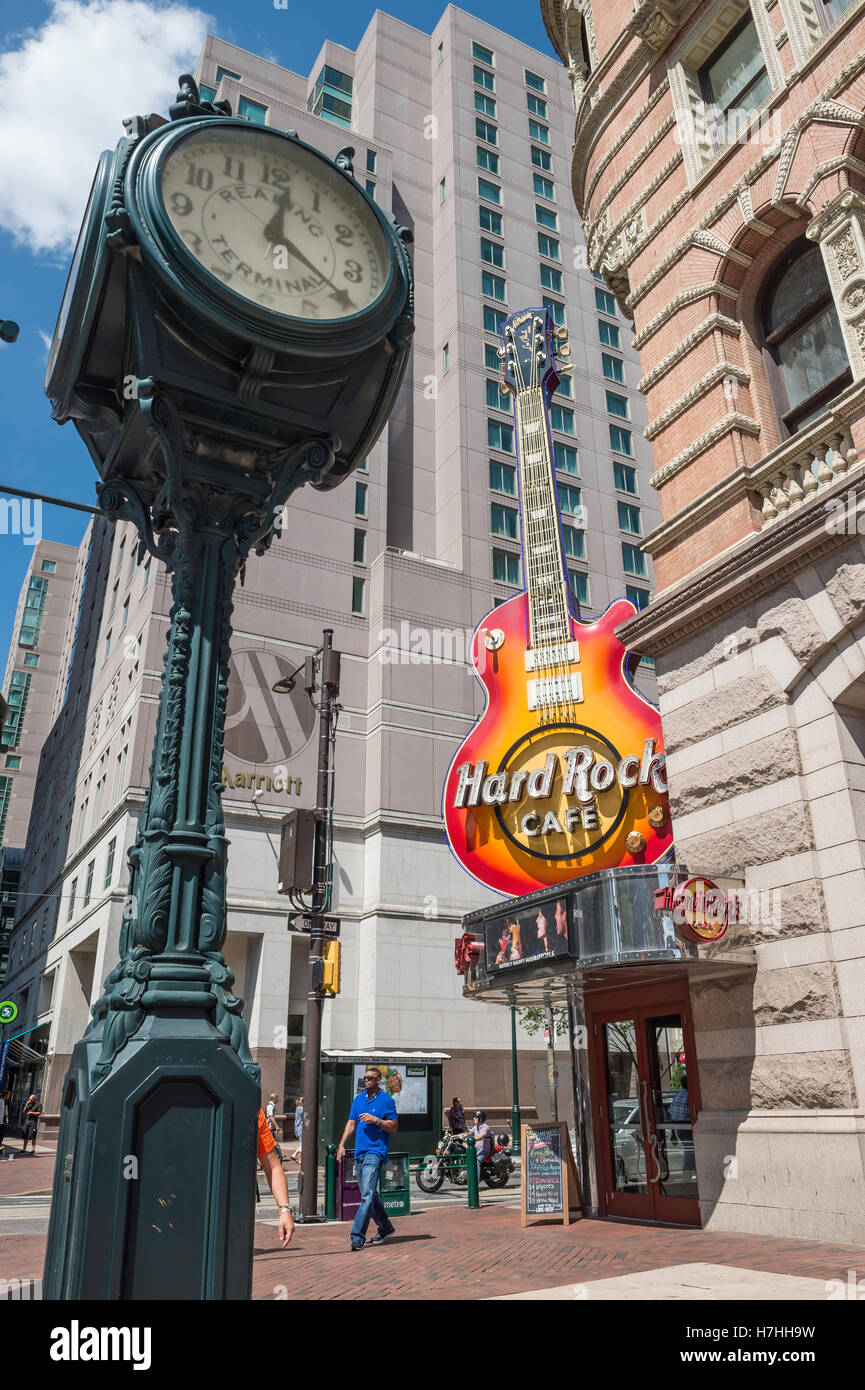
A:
x: 275, y: 1178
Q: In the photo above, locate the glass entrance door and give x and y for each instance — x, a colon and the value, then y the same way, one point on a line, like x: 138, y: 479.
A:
x: 644, y: 1092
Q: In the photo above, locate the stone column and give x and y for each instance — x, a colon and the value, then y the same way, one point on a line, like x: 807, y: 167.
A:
x: 839, y: 229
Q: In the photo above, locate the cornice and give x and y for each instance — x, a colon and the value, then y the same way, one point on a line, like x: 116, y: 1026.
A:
x: 732, y: 580
x: 716, y: 320
x: 720, y: 372
x: 552, y: 13
x: 680, y: 301
x: 733, y: 420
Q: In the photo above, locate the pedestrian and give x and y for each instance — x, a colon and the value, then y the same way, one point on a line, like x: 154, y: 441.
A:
x: 272, y: 1168
x: 30, y: 1118
x: 270, y: 1116
x: 482, y: 1136
x: 373, y: 1117
x: 4, y: 1115
x: 298, y: 1130
x: 456, y: 1117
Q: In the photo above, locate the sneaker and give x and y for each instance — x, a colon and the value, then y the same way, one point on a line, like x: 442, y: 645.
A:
x: 356, y: 1247
x: 382, y: 1236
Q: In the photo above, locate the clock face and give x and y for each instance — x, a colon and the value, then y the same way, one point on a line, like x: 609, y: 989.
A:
x: 275, y: 223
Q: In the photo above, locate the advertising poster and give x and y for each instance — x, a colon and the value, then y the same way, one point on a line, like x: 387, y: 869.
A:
x: 405, y: 1083
x: 542, y: 933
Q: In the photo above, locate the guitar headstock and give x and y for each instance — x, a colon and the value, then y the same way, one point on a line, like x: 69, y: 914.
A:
x: 530, y: 345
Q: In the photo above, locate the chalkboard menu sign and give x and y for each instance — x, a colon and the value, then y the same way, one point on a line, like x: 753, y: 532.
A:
x: 549, y: 1182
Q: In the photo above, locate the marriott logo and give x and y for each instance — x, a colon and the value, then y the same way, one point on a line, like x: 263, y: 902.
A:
x: 77, y: 1343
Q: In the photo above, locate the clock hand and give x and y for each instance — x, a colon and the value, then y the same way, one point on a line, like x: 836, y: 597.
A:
x: 341, y: 296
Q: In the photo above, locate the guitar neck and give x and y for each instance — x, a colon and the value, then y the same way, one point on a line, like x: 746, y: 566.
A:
x: 543, y: 559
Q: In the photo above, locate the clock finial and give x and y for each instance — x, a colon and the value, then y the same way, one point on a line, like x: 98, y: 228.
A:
x: 189, y: 103
x: 343, y: 159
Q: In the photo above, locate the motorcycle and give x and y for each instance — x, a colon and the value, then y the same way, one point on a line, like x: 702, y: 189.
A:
x: 448, y: 1161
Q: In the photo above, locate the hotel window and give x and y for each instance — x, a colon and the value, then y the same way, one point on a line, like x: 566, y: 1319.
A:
x: 621, y: 440
x: 503, y: 521
x: 441, y: 51
x: 565, y: 387
x: 604, y: 301
x: 629, y: 518
x: 543, y: 187
x: 496, y: 398
x: 506, y: 567
x: 34, y: 606
x: 17, y: 696
x: 358, y: 587
x: 557, y: 310
x: 487, y: 159
x: 360, y: 499
x: 49, y: 566
x: 551, y: 279
x: 109, y: 864
x: 359, y: 552
x: 446, y: 358
x: 370, y: 187
x: 331, y: 97
x: 803, y: 348
x: 485, y: 79
x: 542, y: 158
x: 566, y: 459
x: 625, y: 478
x: 613, y: 368
x: 734, y: 81
x: 125, y: 613
x: 486, y: 105
x: 500, y: 436
x: 114, y: 593
x: 569, y: 499
x: 549, y: 246
x: 503, y: 478
x: 107, y: 647
x: 88, y: 883
x: 252, y: 111
x: 206, y: 93
x: 493, y: 286
x: 575, y: 543
x: 609, y: 333
x: 72, y: 892
x: 491, y: 221
x: 226, y: 72
x: 545, y: 218
x: 492, y: 253
x: 370, y: 161
x: 492, y: 318
x: 562, y: 419
x: 539, y: 132
x: 13, y: 761
x: 618, y: 405
x: 535, y: 82
x: 31, y: 659
x: 536, y: 105
x: 633, y: 560
x: 578, y: 584
x: 490, y: 191
x: 443, y: 190
x: 363, y: 466
x: 483, y: 55
x: 491, y: 357
x: 485, y: 130
x: 639, y: 597
x: 147, y: 574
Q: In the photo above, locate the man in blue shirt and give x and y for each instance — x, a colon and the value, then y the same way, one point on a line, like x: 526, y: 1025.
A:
x: 373, y: 1116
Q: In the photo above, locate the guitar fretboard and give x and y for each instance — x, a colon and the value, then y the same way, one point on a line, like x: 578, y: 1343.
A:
x: 546, y: 579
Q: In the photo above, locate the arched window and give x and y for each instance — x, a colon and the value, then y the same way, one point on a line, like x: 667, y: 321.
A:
x: 803, y: 347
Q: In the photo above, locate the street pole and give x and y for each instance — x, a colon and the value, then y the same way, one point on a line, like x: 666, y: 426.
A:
x: 516, y: 1118
x: 329, y: 683
x: 551, y: 1063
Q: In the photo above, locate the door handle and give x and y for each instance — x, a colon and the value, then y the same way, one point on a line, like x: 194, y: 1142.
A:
x: 651, y: 1136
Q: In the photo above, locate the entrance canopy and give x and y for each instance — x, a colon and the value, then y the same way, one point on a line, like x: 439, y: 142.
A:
x: 619, y: 923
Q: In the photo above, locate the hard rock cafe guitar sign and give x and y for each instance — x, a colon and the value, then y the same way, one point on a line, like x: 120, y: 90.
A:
x: 564, y: 773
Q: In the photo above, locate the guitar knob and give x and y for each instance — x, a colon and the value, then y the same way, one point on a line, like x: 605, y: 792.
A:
x: 493, y: 638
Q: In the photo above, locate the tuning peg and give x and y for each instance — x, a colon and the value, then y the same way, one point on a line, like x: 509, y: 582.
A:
x: 564, y: 368
x: 561, y: 333
x: 564, y: 351
x: 501, y: 352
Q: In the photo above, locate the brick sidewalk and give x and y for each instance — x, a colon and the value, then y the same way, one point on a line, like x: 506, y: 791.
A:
x: 30, y: 1174
x: 457, y: 1254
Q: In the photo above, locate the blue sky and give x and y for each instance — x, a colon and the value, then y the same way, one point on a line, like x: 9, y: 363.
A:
x: 69, y: 77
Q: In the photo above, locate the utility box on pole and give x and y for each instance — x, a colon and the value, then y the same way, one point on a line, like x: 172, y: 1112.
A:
x: 297, y: 852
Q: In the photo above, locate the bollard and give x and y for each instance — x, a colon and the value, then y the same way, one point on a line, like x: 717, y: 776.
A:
x: 472, y: 1173
x: 330, y: 1184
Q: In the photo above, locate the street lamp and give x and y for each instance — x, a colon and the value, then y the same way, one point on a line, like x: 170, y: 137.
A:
x: 9, y: 330
x: 212, y: 418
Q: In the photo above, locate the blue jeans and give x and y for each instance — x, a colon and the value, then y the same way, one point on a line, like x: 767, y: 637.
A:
x: 368, y: 1167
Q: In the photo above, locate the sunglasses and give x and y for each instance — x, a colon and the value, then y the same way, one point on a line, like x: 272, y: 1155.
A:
x: 370, y: 1078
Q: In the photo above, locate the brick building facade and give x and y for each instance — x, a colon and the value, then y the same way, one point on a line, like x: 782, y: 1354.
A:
x: 719, y: 170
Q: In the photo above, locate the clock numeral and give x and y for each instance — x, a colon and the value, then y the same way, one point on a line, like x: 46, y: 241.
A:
x: 199, y: 178
x: 353, y: 271
x: 315, y: 202
x: 309, y: 307
x: 234, y: 168
x: 194, y: 240
x: 279, y: 177
x: 344, y: 235
x: 180, y: 204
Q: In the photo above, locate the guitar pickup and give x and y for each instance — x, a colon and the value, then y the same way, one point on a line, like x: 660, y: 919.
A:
x: 539, y: 657
x: 555, y: 690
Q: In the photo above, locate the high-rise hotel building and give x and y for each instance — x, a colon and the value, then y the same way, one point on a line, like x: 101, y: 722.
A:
x: 465, y: 135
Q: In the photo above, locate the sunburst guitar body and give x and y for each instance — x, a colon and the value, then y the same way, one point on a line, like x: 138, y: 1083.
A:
x: 564, y: 773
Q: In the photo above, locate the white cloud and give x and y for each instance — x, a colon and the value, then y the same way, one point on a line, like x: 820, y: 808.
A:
x: 66, y: 89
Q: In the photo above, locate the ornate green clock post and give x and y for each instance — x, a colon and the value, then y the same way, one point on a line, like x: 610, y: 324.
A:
x: 236, y: 323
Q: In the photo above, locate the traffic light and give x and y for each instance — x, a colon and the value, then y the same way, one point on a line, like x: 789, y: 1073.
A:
x: 330, y: 980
